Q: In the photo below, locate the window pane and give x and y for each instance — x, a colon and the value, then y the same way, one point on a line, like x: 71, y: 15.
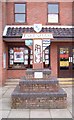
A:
x: 20, y: 18
x: 52, y: 8
x: 53, y: 18
x: 19, y: 8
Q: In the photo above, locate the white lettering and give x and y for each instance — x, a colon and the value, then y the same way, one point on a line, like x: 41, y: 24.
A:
x: 41, y: 35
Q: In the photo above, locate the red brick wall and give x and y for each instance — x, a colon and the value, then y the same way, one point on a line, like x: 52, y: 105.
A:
x: 53, y: 59
x: 37, y: 13
x: 15, y: 73
x: 4, y: 70
x: 0, y: 43
x: 4, y: 47
x: 66, y: 13
x: 10, y: 12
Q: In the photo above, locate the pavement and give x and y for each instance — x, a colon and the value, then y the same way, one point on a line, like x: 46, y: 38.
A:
x: 7, y: 112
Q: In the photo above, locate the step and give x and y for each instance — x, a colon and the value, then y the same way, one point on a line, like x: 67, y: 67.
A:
x: 66, y: 81
x: 39, y: 100
x: 11, y: 82
x: 39, y: 85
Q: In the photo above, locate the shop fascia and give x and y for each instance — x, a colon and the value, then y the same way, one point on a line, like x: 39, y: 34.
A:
x: 37, y: 35
x: 37, y: 28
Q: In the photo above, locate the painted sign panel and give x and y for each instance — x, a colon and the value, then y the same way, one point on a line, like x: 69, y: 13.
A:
x: 37, y: 51
x: 37, y: 35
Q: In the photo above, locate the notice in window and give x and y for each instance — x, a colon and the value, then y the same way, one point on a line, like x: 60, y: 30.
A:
x: 18, y: 57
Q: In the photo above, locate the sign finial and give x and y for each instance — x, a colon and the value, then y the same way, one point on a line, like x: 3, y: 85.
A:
x: 37, y: 27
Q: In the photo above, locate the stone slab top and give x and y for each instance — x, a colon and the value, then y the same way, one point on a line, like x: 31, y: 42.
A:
x: 29, y: 82
x: 17, y: 93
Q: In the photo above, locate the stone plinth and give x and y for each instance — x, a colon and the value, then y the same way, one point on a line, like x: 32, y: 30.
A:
x: 39, y: 100
x: 39, y: 85
x: 43, y: 92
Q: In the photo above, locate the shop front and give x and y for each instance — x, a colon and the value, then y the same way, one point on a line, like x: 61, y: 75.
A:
x: 44, y: 49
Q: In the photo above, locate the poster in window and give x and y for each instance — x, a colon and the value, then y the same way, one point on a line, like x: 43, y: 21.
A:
x: 31, y: 62
x: 31, y: 56
x: 11, y: 62
x: 18, y: 57
x: 11, y: 56
x: 47, y: 62
x: 26, y: 56
x: 31, y: 51
x: 64, y: 63
x: 47, y: 51
x: 25, y: 62
x: 46, y: 56
x: 11, y: 51
x: 26, y: 51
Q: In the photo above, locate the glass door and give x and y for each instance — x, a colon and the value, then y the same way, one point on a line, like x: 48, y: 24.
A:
x: 65, y: 62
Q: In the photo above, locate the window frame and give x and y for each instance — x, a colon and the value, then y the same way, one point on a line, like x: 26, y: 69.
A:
x: 54, y: 13
x: 20, y: 13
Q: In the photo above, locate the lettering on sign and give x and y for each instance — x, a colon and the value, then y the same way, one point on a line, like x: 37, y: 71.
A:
x: 37, y: 35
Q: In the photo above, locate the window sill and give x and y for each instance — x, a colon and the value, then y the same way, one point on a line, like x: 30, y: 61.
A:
x: 16, y: 68
x: 18, y: 23
x: 53, y: 23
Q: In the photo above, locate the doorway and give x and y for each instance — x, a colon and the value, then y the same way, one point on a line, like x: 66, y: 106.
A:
x: 66, y: 62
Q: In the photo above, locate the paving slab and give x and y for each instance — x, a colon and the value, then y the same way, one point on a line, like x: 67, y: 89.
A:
x: 6, y: 100
x: 0, y: 114
x: 8, y: 93
x: 19, y: 114
x: 5, y: 113
x: 40, y: 113
x: 60, y: 113
x: 6, y: 106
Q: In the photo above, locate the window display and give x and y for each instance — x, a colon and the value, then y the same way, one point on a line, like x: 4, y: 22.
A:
x: 46, y: 57
x: 19, y: 57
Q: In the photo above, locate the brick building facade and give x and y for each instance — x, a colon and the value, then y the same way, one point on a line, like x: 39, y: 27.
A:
x: 19, y: 18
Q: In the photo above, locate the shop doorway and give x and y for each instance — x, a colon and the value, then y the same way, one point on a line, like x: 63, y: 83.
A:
x: 66, y: 62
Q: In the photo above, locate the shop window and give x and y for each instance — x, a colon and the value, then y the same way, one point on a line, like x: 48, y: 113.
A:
x: 46, y: 57
x: 20, y: 13
x: 20, y: 57
x: 64, y: 58
x: 53, y: 13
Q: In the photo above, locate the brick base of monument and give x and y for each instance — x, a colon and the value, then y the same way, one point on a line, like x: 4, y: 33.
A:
x: 39, y: 93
